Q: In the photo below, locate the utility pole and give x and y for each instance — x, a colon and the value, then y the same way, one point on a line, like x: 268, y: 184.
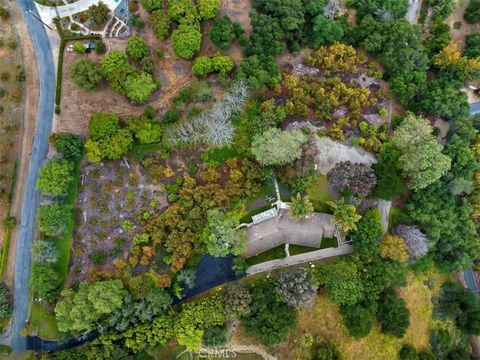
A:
x: 36, y: 17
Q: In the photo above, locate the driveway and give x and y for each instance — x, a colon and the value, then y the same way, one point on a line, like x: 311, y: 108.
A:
x: 48, y: 13
x: 26, y: 228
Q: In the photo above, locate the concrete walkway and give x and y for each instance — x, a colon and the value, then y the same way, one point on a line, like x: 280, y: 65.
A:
x: 48, y: 13
x: 318, y: 255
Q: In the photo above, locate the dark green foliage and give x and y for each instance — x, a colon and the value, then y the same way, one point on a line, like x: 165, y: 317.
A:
x: 137, y: 22
x: 182, y: 98
x: 215, y: 336
x: 408, y: 352
x: 324, y: 350
x: 357, y: 319
x: 5, y: 301
x: 171, y: 116
x: 342, y: 280
x: 326, y: 31
x: 237, y: 302
x: 441, y: 9
x: 390, y: 181
x: 445, y: 99
x: 69, y: 145
x: 86, y: 74
x: 438, y: 39
x: 378, y: 275
x: 98, y: 13
x: 149, y: 111
x: 44, y: 281
x: 270, y: 319
x: 267, y: 36
x: 472, y: 13
x: 472, y: 45
x: 464, y: 162
x: 261, y: 72
x: 4, y: 13
x: 393, y: 314
x: 447, y: 223
x: 224, y: 31
x: 100, y: 47
x: 382, y: 9
x: 462, y: 306
x: 366, y: 239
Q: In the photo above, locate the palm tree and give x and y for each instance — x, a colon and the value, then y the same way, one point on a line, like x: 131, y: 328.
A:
x: 344, y: 215
x: 300, y: 207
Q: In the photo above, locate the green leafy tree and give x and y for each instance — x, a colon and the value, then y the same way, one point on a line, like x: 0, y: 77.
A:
x: 297, y: 288
x: 445, y: 99
x: 52, y: 218
x: 44, y: 281
x: 366, y: 238
x: 150, y: 334
x: 183, y: 11
x: 221, y: 236
x: 186, y: 41
x: 208, y: 9
x: 359, y: 178
x: 86, y: 74
x: 55, y: 176
x: 151, y: 5
x: 276, y: 147
x: 388, y: 170
x: 270, y: 318
x: 301, y: 207
x: 324, y: 350
x: 146, y: 131
x: 462, y: 306
x: 215, y: 336
x: 261, y: 72
x: 394, y: 8
x: 137, y: 49
x: 69, y: 145
x: 422, y: 159
x: 102, y: 125
x: 472, y: 45
x: 344, y: 215
x: 237, y: 302
x: 139, y: 87
x: 438, y: 39
x: 98, y: 13
x: 222, y: 33
x: 197, y: 316
x: 447, y: 223
x: 44, y: 252
x: 327, y: 31
x: 160, y: 24
x: 81, y: 310
x: 393, y: 314
x: 472, y: 12
x: 357, y: 319
x: 342, y: 280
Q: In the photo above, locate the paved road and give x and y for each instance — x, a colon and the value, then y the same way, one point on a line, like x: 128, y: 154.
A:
x: 384, y: 209
x: 39, y: 153
x: 470, y: 280
x: 48, y: 13
x: 475, y: 108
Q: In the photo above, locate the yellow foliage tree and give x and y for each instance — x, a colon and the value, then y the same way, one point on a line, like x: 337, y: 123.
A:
x: 451, y: 59
x: 394, y: 248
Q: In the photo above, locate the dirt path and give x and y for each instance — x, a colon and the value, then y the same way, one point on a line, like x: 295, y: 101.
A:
x: 27, y: 130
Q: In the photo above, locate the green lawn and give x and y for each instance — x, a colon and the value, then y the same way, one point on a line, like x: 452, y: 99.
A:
x: 44, y: 321
x: 318, y: 194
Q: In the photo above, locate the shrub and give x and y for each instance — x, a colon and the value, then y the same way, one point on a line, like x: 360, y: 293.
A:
x: 208, y: 9
x: 222, y: 33
x: 171, y: 116
x: 297, y: 288
x: 137, y: 49
x: 44, y: 280
x: 160, y: 24
x: 237, y: 302
x: 151, y: 5
x: 393, y: 314
x: 55, y: 176
x: 4, y: 13
x: 86, y: 74
x: 52, y: 218
x: 324, y: 350
x: 5, y: 301
x: 215, y: 336
x: 357, y: 319
x: 186, y: 41
x: 44, y: 251
x: 79, y: 47
x: 472, y: 13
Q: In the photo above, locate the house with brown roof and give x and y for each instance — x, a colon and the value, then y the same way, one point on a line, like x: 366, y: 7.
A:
x: 273, y: 228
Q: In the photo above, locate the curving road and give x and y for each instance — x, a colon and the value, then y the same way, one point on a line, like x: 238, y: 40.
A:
x: 26, y: 230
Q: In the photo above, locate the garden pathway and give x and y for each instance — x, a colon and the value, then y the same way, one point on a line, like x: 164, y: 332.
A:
x: 318, y: 255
